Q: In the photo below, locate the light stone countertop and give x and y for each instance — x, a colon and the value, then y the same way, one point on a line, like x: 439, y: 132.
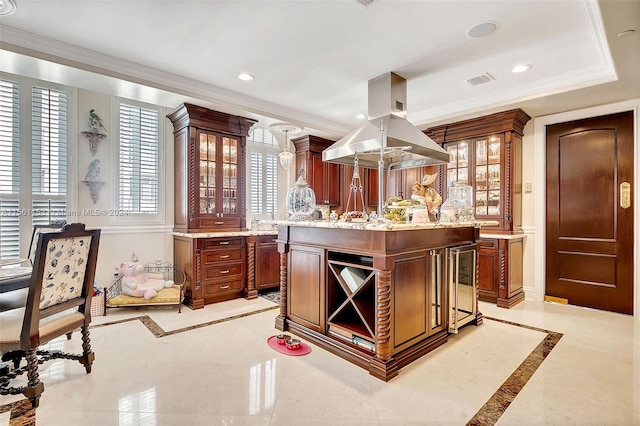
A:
x: 224, y: 234
x: 378, y: 226
x: 264, y: 225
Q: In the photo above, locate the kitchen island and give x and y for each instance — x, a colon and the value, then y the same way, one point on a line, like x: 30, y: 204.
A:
x: 375, y: 294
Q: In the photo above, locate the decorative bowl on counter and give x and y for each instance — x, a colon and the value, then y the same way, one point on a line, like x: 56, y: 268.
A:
x: 354, y: 216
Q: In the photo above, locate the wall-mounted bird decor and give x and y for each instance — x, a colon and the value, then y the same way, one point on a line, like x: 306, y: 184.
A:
x: 95, y: 122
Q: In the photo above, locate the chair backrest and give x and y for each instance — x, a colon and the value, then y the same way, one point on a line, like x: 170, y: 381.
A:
x: 62, y: 278
x: 37, y: 230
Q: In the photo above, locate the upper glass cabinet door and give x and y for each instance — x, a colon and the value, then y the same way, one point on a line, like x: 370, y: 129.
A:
x: 207, y: 173
x: 487, y: 176
x: 458, y: 167
x: 229, y: 175
x: 477, y: 162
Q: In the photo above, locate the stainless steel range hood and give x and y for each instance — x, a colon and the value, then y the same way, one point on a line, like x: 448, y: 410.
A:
x: 387, y: 134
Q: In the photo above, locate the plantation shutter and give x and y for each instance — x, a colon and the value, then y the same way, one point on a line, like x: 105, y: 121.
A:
x: 255, y: 179
x: 138, y: 160
x: 271, y: 189
x: 9, y: 170
x: 49, y: 155
x: 263, y: 173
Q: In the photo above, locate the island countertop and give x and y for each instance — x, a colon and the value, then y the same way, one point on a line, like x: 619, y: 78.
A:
x: 378, y: 226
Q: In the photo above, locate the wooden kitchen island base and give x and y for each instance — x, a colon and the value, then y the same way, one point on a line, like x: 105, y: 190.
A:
x: 374, y: 295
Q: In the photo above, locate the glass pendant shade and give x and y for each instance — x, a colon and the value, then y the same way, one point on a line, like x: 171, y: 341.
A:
x: 286, y: 158
x: 301, y: 200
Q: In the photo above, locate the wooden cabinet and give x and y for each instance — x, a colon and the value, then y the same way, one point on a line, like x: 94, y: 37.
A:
x: 486, y: 152
x: 374, y: 298
x: 324, y: 178
x: 263, y: 264
x: 215, y: 268
x: 500, y: 271
x: 209, y: 169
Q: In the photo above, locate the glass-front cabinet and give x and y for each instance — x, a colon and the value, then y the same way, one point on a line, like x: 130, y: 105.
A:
x: 477, y: 162
x: 209, y: 154
x: 218, y: 194
x: 486, y: 152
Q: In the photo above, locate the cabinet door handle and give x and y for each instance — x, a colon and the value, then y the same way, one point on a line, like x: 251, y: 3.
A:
x: 218, y: 223
x: 226, y: 271
x: 224, y: 243
x: 222, y: 287
x: 224, y: 256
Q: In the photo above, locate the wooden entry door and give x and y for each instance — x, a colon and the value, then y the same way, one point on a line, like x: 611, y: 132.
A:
x: 589, y: 184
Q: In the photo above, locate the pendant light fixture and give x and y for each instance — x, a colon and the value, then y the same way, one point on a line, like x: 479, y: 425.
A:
x: 286, y: 156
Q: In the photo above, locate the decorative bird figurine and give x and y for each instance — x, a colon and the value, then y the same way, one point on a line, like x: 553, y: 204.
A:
x: 95, y: 122
x: 94, y: 171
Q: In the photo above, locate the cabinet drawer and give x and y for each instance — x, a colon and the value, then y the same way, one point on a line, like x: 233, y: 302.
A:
x: 232, y: 271
x: 233, y: 242
x: 215, y: 256
x: 225, y: 287
x: 219, y: 222
x: 488, y: 243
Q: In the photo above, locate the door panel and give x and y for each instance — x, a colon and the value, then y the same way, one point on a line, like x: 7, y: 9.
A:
x: 589, y: 246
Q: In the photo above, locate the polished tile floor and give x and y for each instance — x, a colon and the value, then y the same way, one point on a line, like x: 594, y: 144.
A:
x: 537, y: 363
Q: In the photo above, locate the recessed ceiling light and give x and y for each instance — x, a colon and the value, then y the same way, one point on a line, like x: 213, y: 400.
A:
x: 245, y: 76
x: 520, y: 68
x: 361, y: 116
x: 483, y: 30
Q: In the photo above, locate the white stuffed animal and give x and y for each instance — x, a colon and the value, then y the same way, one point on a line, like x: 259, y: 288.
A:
x: 138, y: 283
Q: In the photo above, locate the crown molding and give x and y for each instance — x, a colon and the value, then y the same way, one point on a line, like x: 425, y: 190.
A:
x: 47, y: 49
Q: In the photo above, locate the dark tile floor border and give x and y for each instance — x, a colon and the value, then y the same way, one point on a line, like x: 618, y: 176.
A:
x: 491, y: 411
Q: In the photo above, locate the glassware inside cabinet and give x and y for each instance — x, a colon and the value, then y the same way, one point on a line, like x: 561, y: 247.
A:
x: 494, y: 150
x: 481, y: 203
x: 493, y: 204
x: 481, y: 178
x: 453, y: 157
x: 481, y: 152
x: 494, y: 176
x: 463, y: 154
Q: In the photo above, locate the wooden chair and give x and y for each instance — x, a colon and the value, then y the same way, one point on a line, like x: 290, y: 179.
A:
x: 59, y: 301
x: 18, y: 298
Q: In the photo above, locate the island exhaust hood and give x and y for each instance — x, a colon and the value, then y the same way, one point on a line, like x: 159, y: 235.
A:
x: 387, y: 134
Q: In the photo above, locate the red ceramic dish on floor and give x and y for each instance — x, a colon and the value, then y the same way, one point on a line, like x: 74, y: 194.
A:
x: 302, y: 350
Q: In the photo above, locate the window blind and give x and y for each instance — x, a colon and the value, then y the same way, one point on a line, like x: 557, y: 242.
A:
x: 263, y: 173
x: 272, y: 184
x: 49, y: 142
x: 138, y: 159
x: 255, y: 179
x: 9, y: 172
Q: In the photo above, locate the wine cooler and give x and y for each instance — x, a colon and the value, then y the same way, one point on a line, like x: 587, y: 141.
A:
x: 461, y: 275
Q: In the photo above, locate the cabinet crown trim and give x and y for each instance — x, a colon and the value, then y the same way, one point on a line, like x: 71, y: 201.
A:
x: 507, y: 121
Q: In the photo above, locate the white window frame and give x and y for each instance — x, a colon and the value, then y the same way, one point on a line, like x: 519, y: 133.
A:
x: 123, y: 217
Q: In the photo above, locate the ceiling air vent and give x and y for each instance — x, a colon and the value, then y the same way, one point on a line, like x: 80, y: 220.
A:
x: 481, y: 79
x: 365, y: 3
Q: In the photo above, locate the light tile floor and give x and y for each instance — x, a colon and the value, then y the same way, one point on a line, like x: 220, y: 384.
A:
x: 224, y: 373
